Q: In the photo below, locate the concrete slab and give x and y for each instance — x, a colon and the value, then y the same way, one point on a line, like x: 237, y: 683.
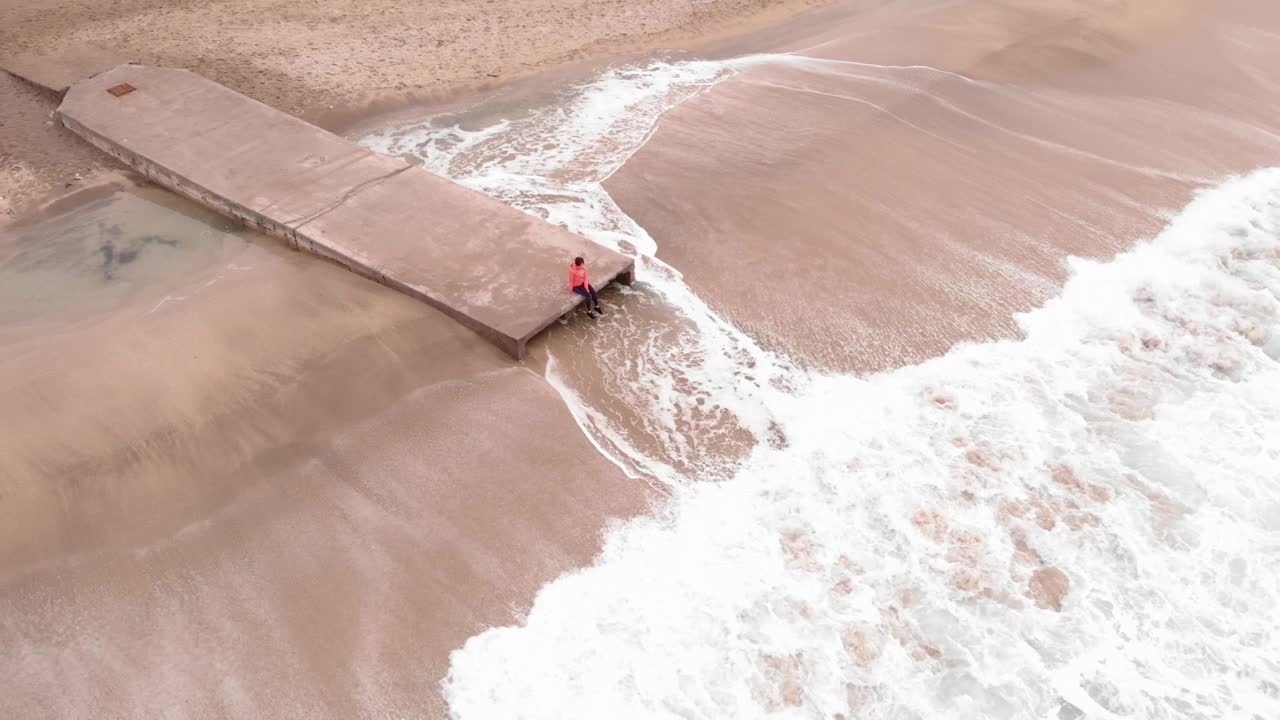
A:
x: 58, y: 71
x: 499, y: 271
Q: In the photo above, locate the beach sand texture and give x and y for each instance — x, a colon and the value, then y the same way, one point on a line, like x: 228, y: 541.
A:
x: 237, y: 482
x: 314, y: 58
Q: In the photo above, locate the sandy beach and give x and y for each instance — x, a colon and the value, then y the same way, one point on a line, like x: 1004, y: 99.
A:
x: 330, y: 62
x: 204, y: 421
x: 816, y: 463
x: 149, y: 457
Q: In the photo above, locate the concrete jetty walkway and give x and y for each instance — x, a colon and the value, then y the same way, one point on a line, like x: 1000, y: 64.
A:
x: 499, y: 271
x: 58, y: 71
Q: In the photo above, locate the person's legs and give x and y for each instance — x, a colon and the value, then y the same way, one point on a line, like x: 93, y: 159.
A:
x: 595, y: 299
x: 586, y: 292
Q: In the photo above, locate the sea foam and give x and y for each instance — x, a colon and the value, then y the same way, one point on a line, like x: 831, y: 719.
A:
x: 1081, y: 522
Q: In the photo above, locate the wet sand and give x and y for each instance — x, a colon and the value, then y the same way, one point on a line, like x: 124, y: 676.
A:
x: 923, y: 178
x: 254, y: 483
x: 244, y: 483
x: 911, y: 182
x: 335, y: 587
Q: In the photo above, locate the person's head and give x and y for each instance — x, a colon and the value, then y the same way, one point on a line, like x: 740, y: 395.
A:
x: 577, y: 261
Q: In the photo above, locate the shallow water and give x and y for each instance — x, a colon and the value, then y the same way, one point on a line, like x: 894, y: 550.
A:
x: 236, y: 481
x: 972, y: 479
x: 100, y: 256
x: 1067, y: 512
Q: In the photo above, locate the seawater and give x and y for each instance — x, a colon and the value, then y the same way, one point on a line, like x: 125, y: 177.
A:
x: 1081, y: 522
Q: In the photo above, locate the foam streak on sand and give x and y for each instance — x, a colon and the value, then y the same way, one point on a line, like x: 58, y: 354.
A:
x: 868, y: 103
x: 552, y: 163
x: 1082, y: 521
x: 820, y: 66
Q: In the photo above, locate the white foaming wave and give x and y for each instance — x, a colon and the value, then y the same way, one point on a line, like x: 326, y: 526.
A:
x: 1083, y: 521
x: 552, y: 162
x: 1086, y: 521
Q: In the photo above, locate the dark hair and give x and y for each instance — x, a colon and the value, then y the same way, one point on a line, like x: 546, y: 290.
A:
x: 577, y: 261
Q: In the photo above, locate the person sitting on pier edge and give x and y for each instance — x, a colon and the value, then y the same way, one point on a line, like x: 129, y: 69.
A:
x: 578, y: 283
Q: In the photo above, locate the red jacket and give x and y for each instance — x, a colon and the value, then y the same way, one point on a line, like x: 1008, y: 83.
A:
x: 577, y: 276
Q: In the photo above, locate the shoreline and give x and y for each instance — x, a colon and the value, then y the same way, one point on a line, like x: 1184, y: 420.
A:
x: 98, y: 178
x: 892, y: 112
x: 228, y: 419
x: 469, y: 487
x: 298, y: 492
x: 47, y: 162
x: 374, y: 109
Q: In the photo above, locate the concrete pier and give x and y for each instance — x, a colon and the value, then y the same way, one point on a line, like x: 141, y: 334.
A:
x: 58, y: 71
x: 499, y: 271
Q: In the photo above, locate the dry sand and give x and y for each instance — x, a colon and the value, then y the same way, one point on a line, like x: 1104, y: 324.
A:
x: 323, y: 59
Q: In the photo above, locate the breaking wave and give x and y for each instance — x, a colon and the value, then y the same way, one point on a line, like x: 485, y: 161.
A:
x: 1081, y: 522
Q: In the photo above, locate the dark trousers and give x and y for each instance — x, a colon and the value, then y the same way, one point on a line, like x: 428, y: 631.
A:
x: 588, y: 292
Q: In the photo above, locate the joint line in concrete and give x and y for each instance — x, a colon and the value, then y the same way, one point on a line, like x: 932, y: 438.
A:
x: 297, y: 223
